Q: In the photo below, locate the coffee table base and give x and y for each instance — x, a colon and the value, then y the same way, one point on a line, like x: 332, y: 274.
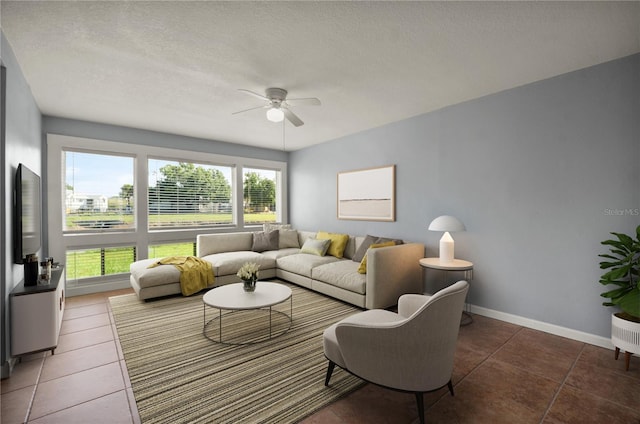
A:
x: 208, y: 325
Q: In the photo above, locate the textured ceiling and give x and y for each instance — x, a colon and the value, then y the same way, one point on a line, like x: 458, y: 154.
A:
x: 175, y: 66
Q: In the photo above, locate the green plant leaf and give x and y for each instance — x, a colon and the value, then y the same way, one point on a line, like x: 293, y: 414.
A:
x: 624, y: 239
x: 630, y: 303
x: 604, y: 255
x: 616, y: 273
x: 617, y: 244
x: 613, y: 294
x: 606, y: 265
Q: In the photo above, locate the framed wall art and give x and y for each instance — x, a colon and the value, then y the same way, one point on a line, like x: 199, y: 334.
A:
x: 367, y: 194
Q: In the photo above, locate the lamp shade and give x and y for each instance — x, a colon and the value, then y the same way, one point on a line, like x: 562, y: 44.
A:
x: 275, y: 114
x: 446, y: 223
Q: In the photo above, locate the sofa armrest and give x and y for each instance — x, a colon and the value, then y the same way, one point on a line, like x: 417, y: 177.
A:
x: 391, y: 272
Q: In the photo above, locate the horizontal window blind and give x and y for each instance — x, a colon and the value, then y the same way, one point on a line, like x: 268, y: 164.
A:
x: 187, y: 194
x: 259, y: 188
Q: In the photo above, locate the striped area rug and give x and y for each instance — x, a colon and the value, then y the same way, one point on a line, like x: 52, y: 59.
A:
x: 180, y: 376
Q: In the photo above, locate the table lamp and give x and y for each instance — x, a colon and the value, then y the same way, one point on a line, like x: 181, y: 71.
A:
x: 446, y: 223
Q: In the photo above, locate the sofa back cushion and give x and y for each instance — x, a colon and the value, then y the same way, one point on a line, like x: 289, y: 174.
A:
x: 208, y: 244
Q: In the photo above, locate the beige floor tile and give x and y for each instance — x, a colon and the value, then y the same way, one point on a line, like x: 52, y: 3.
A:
x: 77, y: 360
x: 133, y: 407
x: 65, y: 392
x: 84, y: 323
x: 80, y: 339
x: 15, y: 405
x: 109, y: 409
x: 85, y: 311
x: 24, y: 374
x: 125, y: 374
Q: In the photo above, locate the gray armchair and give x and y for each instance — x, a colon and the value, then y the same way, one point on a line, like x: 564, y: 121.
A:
x: 411, y: 351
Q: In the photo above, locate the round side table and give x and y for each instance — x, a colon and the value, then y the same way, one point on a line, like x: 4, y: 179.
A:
x: 454, y: 265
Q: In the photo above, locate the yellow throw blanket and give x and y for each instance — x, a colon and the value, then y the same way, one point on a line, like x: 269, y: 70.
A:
x: 195, y: 273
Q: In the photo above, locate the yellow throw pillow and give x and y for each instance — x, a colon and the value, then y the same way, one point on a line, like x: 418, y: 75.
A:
x: 362, y: 269
x: 338, y: 243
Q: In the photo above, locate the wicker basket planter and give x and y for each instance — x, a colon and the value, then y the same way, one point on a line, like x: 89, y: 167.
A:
x: 625, y: 335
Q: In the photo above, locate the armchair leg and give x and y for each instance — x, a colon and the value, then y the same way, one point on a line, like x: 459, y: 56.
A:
x: 420, y: 402
x: 330, y: 368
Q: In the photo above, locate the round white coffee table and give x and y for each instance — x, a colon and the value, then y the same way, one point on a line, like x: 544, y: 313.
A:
x: 232, y: 297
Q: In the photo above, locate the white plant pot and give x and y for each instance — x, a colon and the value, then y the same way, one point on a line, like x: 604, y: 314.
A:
x: 625, y: 334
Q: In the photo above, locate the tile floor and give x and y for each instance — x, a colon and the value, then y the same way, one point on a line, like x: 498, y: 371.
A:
x: 503, y: 373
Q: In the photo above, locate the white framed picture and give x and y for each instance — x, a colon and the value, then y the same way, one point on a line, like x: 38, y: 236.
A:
x: 367, y: 194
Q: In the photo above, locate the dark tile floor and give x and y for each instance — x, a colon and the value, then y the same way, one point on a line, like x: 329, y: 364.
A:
x: 503, y: 373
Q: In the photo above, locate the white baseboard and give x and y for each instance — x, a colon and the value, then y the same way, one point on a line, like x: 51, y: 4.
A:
x: 544, y: 326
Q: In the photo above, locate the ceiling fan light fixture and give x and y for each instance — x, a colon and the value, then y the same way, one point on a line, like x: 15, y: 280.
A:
x: 275, y: 114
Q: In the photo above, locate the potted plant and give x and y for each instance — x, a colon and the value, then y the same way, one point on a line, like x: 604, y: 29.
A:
x: 248, y: 273
x: 622, y: 265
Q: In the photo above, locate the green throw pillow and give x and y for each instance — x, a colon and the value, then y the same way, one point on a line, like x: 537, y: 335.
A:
x: 315, y: 246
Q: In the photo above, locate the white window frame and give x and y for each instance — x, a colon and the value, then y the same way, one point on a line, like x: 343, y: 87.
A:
x: 141, y: 237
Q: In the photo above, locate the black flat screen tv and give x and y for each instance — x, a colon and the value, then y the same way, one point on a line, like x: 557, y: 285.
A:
x: 27, y: 214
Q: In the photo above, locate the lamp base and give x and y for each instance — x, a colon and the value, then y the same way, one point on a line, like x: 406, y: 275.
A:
x: 446, y: 248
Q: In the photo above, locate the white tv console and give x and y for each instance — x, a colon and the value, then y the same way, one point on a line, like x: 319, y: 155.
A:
x: 36, y: 315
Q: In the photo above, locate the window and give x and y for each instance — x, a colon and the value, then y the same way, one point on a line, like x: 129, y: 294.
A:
x: 172, y: 249
x: 111, y: 203
x: 186, y: 194
x: 259, y: 191
x: 98, y: 192
x: 88, y: 263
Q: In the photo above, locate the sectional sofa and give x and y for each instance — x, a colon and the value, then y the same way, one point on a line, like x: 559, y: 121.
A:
x: 390, y: 270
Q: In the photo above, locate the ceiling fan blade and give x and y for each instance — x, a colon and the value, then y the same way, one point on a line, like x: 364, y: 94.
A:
x: 251, y: 93
x: 292, y: 117
x: 309, y: 101
x: 251, y: 108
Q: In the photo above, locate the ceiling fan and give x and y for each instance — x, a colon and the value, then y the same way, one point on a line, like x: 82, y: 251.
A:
x: 278, y: 106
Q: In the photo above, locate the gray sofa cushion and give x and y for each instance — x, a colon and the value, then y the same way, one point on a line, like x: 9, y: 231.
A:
x: 150, y: 277
x: 230, y: 262
x: 280, y: 253
x: 343, y: 274
x: 302, y: 263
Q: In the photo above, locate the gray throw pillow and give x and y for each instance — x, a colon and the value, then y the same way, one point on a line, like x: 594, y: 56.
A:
x: 362, y: 250
x: 263, y: 240
x: 367, y: 242
x: 289, y: 238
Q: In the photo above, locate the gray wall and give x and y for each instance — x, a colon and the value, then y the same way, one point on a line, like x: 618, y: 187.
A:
x: 23, y: 144
x: 538, y: 174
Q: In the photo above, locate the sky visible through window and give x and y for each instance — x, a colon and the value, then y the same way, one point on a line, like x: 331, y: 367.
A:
x: 90, y: 173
